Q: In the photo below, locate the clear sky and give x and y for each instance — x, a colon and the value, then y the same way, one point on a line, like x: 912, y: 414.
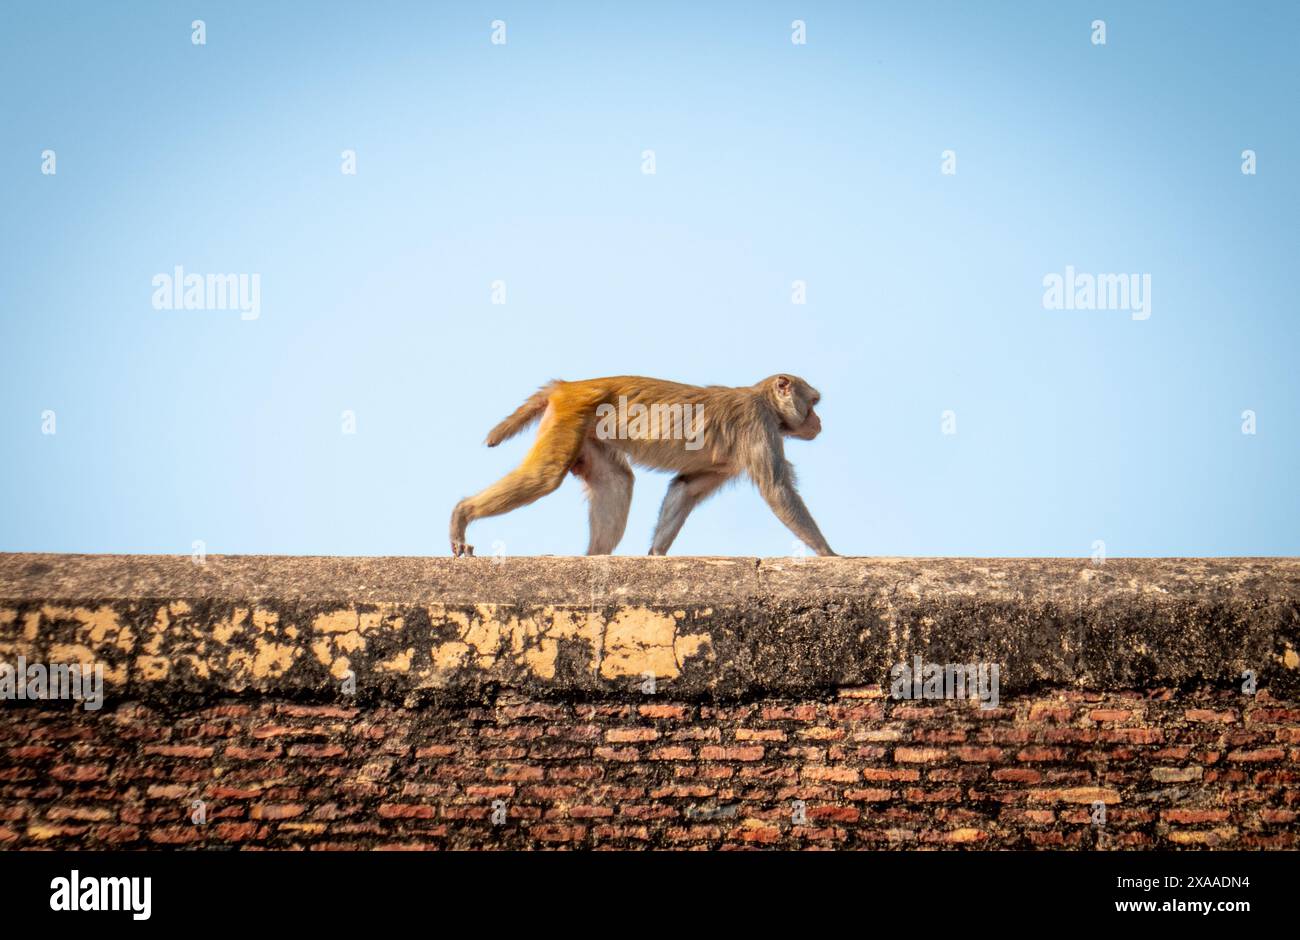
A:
x: 774, y: 162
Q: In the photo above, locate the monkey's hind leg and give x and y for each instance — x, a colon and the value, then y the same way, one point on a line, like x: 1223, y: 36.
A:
x: 608, y: 480
x: 685, y: 493
x: 559, y: 440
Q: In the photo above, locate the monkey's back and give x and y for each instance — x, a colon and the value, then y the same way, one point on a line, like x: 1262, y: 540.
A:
x: 703, y: 445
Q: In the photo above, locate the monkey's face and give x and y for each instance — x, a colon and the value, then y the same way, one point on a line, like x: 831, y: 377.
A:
x: 795, y: 400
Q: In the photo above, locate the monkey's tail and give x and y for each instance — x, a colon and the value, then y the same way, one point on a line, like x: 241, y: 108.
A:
x: 523, y: 416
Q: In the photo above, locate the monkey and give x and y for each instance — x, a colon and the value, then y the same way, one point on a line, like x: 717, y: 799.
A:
x: 706, y: 436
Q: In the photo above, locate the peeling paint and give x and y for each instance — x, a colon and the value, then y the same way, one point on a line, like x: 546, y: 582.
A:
x: 842, y: 623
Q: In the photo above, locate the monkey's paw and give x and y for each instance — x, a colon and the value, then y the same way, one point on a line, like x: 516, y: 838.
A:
x: 462, y: 548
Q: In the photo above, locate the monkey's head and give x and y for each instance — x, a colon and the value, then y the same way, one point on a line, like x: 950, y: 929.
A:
x: 793, y: 399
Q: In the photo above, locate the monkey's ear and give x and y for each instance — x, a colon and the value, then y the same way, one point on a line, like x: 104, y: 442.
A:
x: 783, y: 385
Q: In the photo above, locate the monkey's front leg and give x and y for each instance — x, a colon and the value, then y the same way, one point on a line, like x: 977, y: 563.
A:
x: 789, y: 508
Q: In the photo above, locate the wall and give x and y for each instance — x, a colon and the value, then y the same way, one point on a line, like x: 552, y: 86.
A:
x: 357, y: 703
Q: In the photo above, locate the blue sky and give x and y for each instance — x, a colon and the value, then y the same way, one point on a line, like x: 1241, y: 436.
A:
x: 775, y: 162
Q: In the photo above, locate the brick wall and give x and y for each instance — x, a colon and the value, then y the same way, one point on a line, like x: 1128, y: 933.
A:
x: 1197, y: 769
x: 666, y: 702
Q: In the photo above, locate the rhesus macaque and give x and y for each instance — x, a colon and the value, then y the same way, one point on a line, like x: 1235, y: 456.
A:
x: 707, y: 436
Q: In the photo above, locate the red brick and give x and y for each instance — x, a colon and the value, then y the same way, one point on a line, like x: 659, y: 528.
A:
x: 621, y: 833
x: 115, y: 835
x: 1110, y: 714
x: 517, y: 773
x: 274, y: 731
x: 649, y: 812
x: 77, y: 773
x: 498, y: 792
x: 535, y: 710
x: 622, y: 735
x: 1017, y: 775
x: 1274, y: 715
x: 843, y: 814
x: 276, y: 811
x: 177, y: 835
x: 1132, y: 735
x: 590, y: 812
x: 1050, y: 711
x: 1208, y: 714
x: 558, y: 833
x: 317, y: 750
x: 234, y: 793
x: 239, y: 832
x: 920, y: 755
x: 1263, y: 754
x: 789, y: 713
x: 983, y: 755
x: 318, y: 711
x: 1041, y: 754
x: 821, y: 733
x: 1194, y: 815
x: 945, y: 795
x: 732, y: 753
x: 759, y: 734
x: 624, y: 754
x: 178, y: 750
x: 576, y: 772
x: 839, y: 774
x: 405, y: 811
x: 963, y: 836
x: 677, y: 712
x: 761, y: 834
x: 891, y: 773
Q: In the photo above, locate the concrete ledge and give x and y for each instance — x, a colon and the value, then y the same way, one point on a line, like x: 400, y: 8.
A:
x: 385, y: 629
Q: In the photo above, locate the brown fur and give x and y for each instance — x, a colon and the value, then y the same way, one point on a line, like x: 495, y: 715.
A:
x: 743, y: 431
